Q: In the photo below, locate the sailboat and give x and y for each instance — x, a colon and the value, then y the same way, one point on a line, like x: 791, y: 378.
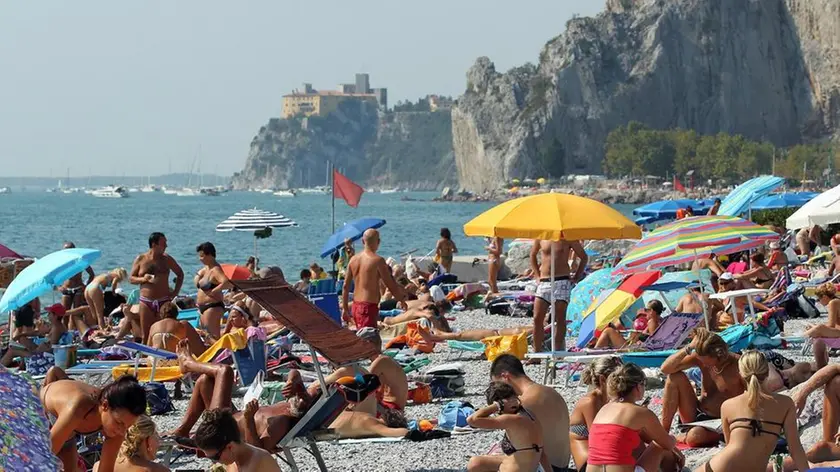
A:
x: 390, y: 179
x: 188, y: 191
x: 148, y: 188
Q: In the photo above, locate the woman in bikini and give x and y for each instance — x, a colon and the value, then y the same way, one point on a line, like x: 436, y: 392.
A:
x: 523, y: 441
x: 494, y: 261
x: 753, y: 423
x: 139, y: 449
x: 169, y: 331
x: 651, y: 315
x: 95, y: 291
x: 595, y: 376
x: 75, y: 408
x: 210, y: 281
x: 445, y: 250
x: 826, y: 295
x: 621, y: 426
x: 759, y: 275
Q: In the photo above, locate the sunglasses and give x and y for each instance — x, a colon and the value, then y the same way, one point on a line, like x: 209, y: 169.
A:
x: 218, y: 455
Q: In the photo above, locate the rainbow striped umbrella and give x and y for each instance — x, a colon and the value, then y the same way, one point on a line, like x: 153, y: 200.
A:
x: 687, y: 239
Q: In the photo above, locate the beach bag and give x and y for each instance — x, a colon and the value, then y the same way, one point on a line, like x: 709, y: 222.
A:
x: 455, y: 414
x: 516, y: 345
x: 421, y: 394
x: 446, y: 380
x: 157, y: 399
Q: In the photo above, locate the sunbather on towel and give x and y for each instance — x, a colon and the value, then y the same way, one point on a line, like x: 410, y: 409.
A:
x: 423, y: 310
x: 826, y: 295
x: 721, y: 381
x: 169, y: 331
x: 438, y: 336
x: 649, y: 318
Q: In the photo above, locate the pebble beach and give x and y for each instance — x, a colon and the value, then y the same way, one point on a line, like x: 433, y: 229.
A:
x: 452, y: 454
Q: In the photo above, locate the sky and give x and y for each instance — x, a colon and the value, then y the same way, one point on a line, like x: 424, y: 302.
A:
x: 140, y: 88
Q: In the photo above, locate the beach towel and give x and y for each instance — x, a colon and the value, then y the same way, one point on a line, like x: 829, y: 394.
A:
x: 24, y: 430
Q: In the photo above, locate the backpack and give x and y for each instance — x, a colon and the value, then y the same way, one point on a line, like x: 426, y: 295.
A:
x: 454, y: 414
x: 505, y: 307
x: 446, y: 380
x: 157, y: 399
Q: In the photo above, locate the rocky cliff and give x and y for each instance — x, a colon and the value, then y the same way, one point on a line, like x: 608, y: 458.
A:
x: 766, y: 69
x: 364, y: 143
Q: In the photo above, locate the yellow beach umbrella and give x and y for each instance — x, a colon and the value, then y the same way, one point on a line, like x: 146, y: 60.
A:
x: 515, y: 181
x: 541, y: 181
x: 554, y: 217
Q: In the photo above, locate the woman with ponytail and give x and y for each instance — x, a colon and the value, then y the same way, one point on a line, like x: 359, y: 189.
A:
x: 754, y: 421
x: 77, y: 409
x: 139, y: 449
x: 623, y: 427
x: 595, y: 376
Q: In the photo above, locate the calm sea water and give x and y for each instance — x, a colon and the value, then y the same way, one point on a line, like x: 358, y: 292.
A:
x: 37, y: 223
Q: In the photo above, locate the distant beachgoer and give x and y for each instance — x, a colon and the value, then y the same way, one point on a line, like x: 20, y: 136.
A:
x: 210, y: 281
x: 73, y: 289
x: 305, y: 281
x: 808, y: 239
x: 547, y: 405
x: 721, y: 381
x: 365, y: 271
x: 759, y: 275
x: 754, y: 421
x: 827, y: 296
x: 169, y: 331
x: 139, y: 449
x: 439, y: 336
x: 251, y: 264
x: 345, y: 254
x: 560, y: 286
x: 95, y: 292
x: 715, y: 208
x: 318, y: 272
x: 151, y: 272
x: 595, y: 376
x: 522, y: 444
x: 75, y: 408
x: 445, y: 250
x: 779, y: 259
x: 219, y: 438
x: 494, y: 247
x: 615, y: 432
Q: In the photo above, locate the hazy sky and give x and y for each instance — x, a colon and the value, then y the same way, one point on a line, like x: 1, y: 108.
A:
x: 116, y: 87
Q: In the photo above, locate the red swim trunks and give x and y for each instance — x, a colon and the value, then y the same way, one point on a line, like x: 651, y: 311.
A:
x: 365, y: 314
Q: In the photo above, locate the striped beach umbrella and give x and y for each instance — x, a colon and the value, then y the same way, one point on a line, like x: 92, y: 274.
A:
x: 256, y: 221
x: 740, y: 200
x: 687, y: 239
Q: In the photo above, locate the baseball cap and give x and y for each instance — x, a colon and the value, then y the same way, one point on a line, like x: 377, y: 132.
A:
x: 57, y: 309
x: 270, y: 272
x: 726, y: 276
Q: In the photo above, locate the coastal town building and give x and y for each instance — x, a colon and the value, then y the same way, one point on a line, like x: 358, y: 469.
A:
x: 438, y: 103
x: 311, y: 102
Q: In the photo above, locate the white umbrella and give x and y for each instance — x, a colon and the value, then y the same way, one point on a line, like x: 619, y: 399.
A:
x: 824, y: 209
x: 254, y: 220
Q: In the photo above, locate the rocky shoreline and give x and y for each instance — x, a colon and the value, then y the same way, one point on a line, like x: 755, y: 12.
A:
x: 612, y: 196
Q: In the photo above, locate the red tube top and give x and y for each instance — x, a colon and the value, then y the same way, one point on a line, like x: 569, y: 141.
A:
x: 612, y: 444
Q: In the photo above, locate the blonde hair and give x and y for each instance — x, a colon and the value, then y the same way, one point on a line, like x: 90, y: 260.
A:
x: 754, y: 370
x: 827, y: 289
x: 120, y: 273
x: 624, y: 379
x: 602, y: 367
x: 709, y: 344
x: 141, y: 430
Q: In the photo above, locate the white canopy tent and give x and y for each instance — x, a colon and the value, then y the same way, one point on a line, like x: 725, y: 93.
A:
x: 824, y: 209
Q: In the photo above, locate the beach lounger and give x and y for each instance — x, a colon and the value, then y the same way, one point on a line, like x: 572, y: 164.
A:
x: 462, y: 347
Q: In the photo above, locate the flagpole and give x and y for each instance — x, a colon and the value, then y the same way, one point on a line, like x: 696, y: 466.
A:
x: 332, y: 191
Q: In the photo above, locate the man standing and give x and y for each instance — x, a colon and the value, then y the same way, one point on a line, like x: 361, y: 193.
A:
x: 561, y: 286
x: 151, y: 272
x: 366, y: 270
x: 73, y: 289
x: 543, y: 402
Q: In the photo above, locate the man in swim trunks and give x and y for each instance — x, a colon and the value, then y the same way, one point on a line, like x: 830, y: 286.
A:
x: 151, y: 272
x: 73, y: 289
x: 365, y: 271
x: 561, y: 286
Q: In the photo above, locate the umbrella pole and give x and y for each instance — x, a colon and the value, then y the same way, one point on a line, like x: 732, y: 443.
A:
x: 702, y: 291
x: 256, y: 258
x: 553, y: 320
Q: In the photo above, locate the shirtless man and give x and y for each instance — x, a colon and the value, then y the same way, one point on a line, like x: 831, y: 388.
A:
x: 692, y: 302
x: 721, y: 381
x: 73, y: 289
x: 151, y: 272
x: 219, y: 438
x: 367, y: 270
x: 543, y: 402
x: 562, y: 286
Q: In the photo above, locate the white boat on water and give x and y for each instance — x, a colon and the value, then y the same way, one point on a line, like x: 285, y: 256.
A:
x: 148, y: 189
x: 321, y: 190
x: 133, y: 190
x: 110, y: 191
x: 389, y: 190
x: 5, y: 190
x: 284, y: 193
x: 187, y: 192
x: 170, y: 191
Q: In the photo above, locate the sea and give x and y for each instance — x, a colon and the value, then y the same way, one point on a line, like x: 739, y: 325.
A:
x: 37, y: 223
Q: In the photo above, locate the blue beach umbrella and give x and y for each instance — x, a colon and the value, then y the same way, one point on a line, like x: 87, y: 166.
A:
x: 44, y: 274
x: 665, y: 209
x: 740, y: 200
x: 783, y: 200
x: 351, y: 230
x: 586, y: 291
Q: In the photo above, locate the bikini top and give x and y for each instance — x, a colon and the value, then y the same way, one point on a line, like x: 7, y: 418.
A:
x: 756, y: 426
x: 206, y: 285
x: 507, y: 446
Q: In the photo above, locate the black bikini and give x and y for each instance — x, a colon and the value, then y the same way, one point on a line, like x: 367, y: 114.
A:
x: 207, y: 287
x: 507, y: 446
x: 756, y: 427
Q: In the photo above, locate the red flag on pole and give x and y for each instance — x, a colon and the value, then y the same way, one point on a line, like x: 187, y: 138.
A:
x: 346, y: 189
x: 678, y: 186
